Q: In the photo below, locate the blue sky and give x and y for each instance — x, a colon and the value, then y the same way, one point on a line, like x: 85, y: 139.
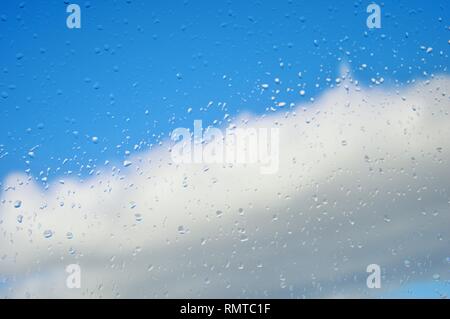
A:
x: 60, y: 87
x: 130, y: 74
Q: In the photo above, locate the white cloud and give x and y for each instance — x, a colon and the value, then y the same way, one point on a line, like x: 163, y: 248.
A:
x: 364, y: 178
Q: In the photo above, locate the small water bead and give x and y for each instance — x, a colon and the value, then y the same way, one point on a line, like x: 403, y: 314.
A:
x: 48, y: 233
x: 17, y: 204
x: 243, y: 238
x: 181, y: 230
x: 127, y: 163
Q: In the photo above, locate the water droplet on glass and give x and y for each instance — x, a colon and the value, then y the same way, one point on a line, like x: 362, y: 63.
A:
x: 127, y: 163
x: 48, y: 233
x: 181, y: 230
x: 17, y: 204
x: 243, y: 238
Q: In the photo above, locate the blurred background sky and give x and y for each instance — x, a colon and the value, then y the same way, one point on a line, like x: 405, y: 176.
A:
x: 71, y: 99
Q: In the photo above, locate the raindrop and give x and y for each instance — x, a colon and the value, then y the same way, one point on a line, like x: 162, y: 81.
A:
x: 48, y: 233
x: 243, y: 238
x: 181, y: 230
x: 127, y: 163
x: 17, y: 204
